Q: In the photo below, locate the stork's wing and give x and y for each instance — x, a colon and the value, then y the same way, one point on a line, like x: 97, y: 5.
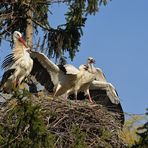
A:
x: 44, y: 60
x: 8, y: 62
x: 111, y: 91
x: 112, y: 94
x: 44, y: 70
x: 5, y: 76
x: 69, y: 69
x: 100, y: 75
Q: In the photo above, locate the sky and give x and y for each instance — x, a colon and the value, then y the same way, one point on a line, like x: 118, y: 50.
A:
x: 117, y: 38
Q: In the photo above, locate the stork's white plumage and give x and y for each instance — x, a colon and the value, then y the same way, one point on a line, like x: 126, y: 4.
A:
x: 100, y: 75
x: 17, y: 65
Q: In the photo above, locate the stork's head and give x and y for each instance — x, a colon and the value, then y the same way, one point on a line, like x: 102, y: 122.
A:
x: 17, y: 36
x: 90, y: 60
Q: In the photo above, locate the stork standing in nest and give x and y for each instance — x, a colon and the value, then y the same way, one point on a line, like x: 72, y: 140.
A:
x: 17, y: 65
x: 84, y: 79
x: 56, y: 79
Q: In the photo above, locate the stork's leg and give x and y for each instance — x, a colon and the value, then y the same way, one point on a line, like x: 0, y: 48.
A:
x: 14, y: 83
x: 21, y: 79
x: 17, y: 82
x: 67, y: 93
x: 89, y: 97
x: 16, y: 79
x: 57, y: 89
x: 20, y: 84
x: 76, y: 94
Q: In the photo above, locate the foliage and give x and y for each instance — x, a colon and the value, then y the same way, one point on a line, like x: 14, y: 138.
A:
x: 143, y: 133
x: 23, y: 125
x: 55, y: 41
x: 79, y: 137
x: 128, y: 133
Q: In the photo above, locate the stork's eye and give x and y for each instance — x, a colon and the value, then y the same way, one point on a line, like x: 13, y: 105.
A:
x: 18, y: 35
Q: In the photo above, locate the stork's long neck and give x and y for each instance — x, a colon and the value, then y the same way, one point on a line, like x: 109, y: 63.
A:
x: 80, y: 74
x: 91, y: 67
x: 19, y: 50
x: 18, y: 47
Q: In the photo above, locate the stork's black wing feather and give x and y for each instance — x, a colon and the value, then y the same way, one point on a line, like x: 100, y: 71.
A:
x: 69, y: 69
x: 6, y: 75
x: 8, y: 60
x: 116, y: 92
x: 62, y: 68
x: 41, y: 75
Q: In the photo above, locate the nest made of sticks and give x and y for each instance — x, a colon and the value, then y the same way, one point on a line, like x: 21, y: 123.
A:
x: 72, y: 123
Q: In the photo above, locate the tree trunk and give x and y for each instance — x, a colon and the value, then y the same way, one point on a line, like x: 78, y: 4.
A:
x: 29, y: 29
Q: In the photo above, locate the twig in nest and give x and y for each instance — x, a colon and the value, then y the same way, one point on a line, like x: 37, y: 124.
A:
x: 59, y: 121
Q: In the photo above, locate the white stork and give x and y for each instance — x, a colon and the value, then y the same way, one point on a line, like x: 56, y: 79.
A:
x: 17, y: 65
x: 55, y: 78
x: 84, y: 79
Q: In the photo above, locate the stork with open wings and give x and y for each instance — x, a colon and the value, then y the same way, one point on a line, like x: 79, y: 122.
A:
x: 62, y: 79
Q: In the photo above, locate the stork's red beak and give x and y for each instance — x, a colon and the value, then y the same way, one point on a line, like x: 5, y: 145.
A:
x: 23, y: 42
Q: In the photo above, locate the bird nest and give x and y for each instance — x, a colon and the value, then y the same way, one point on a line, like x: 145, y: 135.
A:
x: 71, y: 123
